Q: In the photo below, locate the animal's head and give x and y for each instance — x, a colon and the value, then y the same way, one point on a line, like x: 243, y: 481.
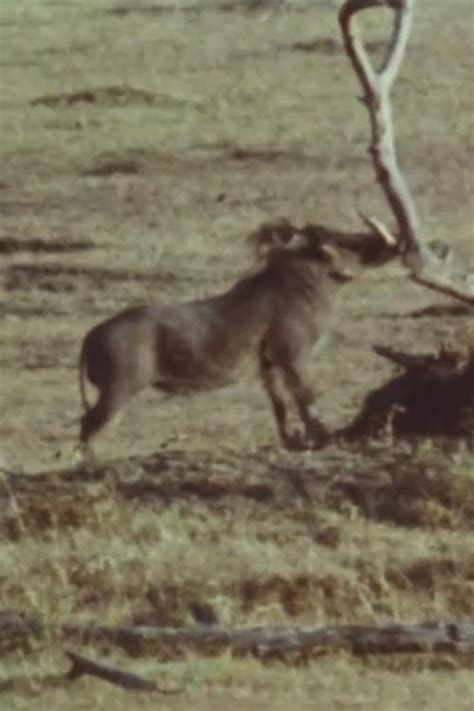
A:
x: 357, y: 249
x: 340, y: 252
x: 281, y: 240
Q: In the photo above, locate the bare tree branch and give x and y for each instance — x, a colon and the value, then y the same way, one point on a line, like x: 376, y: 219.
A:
x: 376, y: 96
x: 376, y: 86
x: 442, y: 288
x: 398, y: 42
x: 102, y: 670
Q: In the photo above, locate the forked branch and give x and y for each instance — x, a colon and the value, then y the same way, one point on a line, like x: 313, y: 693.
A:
x: 376, y: 86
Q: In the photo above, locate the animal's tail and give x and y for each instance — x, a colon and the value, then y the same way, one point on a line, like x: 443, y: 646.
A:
x: 82, y: 379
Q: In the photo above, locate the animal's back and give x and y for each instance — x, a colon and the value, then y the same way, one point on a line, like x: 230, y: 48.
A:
x: 203, y: 344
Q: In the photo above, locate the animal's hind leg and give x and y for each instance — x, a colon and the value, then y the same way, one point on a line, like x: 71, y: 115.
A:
x: 304, y: 397
x: 94, y: 420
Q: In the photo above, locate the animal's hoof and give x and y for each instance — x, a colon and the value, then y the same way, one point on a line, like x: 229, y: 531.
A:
x: 82, y: 456
x: 296, y: 442
x: 321, y: 438
x: 316, y: 436
x: 321, y: 442
x: 77, y: 456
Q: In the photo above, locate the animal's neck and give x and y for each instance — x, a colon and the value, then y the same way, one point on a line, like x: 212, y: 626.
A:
x: 310, y: 281
x: 246, y: 300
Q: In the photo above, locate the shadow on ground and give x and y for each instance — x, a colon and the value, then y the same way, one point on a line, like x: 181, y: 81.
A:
x: 399, y: 485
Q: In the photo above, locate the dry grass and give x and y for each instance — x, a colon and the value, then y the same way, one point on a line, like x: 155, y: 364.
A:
x: 140, y: 145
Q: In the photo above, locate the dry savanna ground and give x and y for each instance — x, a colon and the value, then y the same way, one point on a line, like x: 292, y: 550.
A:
x: 141, y: 142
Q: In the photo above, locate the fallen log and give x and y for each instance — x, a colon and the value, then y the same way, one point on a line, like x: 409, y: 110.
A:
x: 267, y: 642
x: 455, y: 637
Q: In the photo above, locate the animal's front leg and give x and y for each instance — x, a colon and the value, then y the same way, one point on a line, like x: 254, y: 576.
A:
x: 304, y: 396
x: 271, y: 378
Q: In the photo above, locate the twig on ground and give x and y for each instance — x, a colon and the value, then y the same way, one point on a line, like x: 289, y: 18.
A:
x: 82, y: 665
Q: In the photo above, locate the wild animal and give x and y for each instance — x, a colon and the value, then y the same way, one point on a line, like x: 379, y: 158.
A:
x: 275, y: 315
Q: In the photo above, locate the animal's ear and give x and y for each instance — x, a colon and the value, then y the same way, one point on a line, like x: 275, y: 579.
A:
x: 270, y: 237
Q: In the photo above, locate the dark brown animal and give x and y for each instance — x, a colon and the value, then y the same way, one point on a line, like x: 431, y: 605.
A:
x: 274, y: 315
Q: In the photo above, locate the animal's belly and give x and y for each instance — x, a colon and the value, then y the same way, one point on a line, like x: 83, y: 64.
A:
x: 193, y: 375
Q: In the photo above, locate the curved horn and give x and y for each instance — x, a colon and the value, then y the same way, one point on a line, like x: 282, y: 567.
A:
x: 381, y: 229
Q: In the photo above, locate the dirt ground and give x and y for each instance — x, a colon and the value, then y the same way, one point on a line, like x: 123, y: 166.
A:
x: 141, y: 143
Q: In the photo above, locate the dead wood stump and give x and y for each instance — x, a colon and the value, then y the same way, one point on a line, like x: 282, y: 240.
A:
x: 433, y: 397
